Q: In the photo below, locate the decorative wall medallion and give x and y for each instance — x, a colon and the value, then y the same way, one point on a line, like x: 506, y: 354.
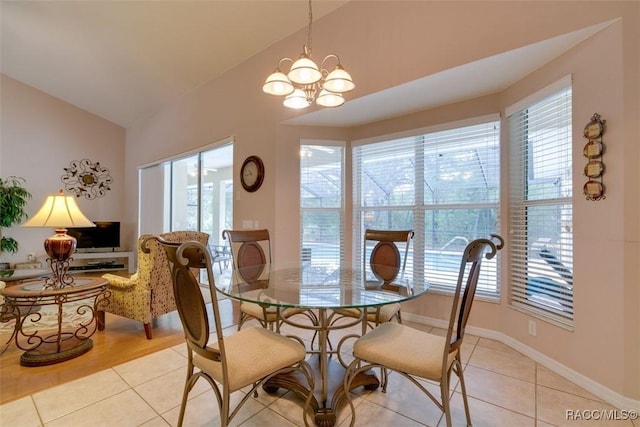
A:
x: 87, y: 179
x: 593, y: 151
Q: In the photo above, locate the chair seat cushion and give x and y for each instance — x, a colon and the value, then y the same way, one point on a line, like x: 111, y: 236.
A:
x: 252, y: 354
x: 256, y: 311
x: 386, y: 312
x: 414, y: 352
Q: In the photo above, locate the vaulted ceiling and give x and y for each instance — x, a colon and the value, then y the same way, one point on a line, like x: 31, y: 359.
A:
x: 125, y: 60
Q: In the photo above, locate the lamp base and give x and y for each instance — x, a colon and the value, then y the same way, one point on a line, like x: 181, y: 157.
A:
x: 61, y: 277
x: 59, y: 247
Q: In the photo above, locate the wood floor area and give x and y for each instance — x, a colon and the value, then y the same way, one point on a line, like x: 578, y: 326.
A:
x: 122, y: 340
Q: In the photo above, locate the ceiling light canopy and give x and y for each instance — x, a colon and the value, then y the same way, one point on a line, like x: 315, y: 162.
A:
x: 306, y: 82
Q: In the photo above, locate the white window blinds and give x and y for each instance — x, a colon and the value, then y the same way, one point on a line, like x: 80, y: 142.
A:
x: 541, y: 210
x: 321, y: 206
x: 444, y: 185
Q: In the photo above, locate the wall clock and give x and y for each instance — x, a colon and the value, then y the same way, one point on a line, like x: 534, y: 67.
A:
x: 252, y: 173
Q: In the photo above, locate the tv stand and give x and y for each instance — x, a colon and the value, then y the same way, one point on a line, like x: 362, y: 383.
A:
x: 102, y: 261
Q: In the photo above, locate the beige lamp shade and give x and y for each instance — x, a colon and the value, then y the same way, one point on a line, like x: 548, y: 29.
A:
x: 277, y: 84
x: 297, y: 100
x: 59, y: 212
x: 338, y: 81
x: 304, y: 71
x: 329, y: 99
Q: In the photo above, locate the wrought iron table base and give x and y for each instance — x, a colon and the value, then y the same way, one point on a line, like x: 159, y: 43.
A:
x: 57, y: 343
x: 326, y: 412
x: 329, y: 390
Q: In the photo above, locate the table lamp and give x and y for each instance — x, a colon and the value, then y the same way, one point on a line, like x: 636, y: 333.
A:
x: 59, y: 211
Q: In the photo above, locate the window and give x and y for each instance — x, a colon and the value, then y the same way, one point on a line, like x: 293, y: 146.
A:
x: 321, y: 206
x: 541, y: 210
x: 185, y: 193
x: 444, y: 185
x: 190, y: 192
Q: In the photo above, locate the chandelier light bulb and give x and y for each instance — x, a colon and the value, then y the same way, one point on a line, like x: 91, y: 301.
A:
x: 277, y: 84
x: 338, y: 81
x: 297, y: 100
x: 304, y: 71
x: 329, y: 99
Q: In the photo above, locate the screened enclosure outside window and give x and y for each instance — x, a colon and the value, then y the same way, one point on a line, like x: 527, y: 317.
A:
x: 190, y: 192
x: 444, y: 185
x: 185, y: 193
x: 541, y: 211
x: 321, y: 206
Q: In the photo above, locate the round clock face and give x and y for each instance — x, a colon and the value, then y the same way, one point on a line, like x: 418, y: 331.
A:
x: 252, y: 173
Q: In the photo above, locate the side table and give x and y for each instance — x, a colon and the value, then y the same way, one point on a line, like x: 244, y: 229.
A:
x: 54, y: 343
x: 21, y: 275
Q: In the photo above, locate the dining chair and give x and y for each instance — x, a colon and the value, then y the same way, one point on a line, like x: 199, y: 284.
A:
x: 417, y: 354
x: 386, y: 261
x: 246, y: 358
x: 251, y: 259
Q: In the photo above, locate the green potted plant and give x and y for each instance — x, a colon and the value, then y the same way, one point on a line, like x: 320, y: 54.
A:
x: 13, y: 200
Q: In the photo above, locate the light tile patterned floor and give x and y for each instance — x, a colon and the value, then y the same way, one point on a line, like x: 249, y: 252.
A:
x: 505, y: 388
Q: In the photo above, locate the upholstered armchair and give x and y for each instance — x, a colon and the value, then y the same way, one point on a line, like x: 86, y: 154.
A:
x: 148, y: 293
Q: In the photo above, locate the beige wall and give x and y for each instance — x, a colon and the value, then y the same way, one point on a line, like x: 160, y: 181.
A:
x: 387, y: 43
x: 384, y: 44
x: 39, y: 136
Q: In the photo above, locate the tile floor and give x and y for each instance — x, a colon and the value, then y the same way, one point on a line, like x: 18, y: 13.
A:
x: 505, y: 388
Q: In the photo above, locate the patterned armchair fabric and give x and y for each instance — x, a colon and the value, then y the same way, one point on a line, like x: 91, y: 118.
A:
x: 148, y: 293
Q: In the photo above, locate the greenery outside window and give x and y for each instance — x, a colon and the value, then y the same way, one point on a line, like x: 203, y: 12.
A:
x: 443, y: 184
x: 193, y: 191
x: 321, y: 206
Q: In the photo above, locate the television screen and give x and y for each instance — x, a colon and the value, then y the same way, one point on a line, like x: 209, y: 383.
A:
x: 106, y: 234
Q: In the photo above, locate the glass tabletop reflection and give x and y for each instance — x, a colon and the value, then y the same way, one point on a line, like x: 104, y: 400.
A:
x: 300, y: 287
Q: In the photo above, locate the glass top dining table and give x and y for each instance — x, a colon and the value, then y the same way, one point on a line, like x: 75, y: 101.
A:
x: 322, y: 290
x: 313, y: 288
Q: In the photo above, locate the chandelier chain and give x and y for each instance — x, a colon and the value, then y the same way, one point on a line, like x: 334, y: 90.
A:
x: 310, y: 23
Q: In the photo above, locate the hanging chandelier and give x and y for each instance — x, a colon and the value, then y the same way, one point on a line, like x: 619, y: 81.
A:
x: 306, y: 82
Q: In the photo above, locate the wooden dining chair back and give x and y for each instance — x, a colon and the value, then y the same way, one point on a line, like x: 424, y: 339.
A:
x: 388, y: 258
x: 247, y: 358
x: 384, y: 259
x: 251, y: 260
x: 250, y: 252
x: 417, y: 354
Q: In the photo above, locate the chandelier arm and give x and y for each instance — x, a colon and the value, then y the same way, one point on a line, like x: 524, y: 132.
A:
x: 286, y: 58
x: 331, y: 55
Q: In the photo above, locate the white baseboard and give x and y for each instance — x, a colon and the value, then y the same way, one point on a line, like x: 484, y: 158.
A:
x: 615, y: 399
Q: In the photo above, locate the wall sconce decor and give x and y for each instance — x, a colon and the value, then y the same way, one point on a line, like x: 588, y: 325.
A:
x: 88, y: 179
x: 593, y: 150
